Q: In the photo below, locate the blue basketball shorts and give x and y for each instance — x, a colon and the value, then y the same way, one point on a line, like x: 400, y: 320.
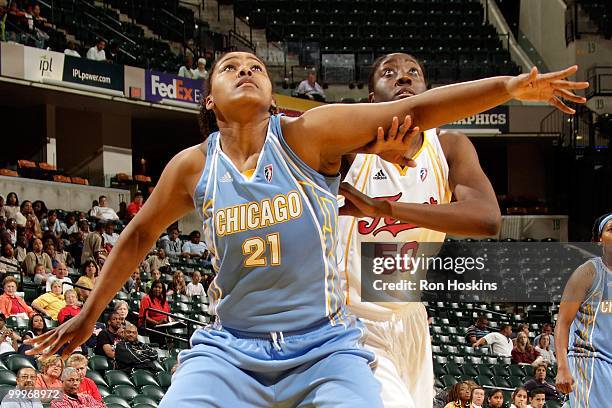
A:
x: 592, y: 382
x: 322, y: 367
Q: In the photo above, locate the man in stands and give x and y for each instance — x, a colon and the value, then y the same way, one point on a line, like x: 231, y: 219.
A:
x: 109, y: 337
x: 133, y: 354
x: 110, y: 236
x: 135, y: 206
x: 102, y: 211
x: 79, y: 363
x: 537, y: 398
x: 61, y: 274
x: 547, y: 328
x: 195, y: 287
x: 500, y: 342
x: 477, y: 331
x: 538, y: 382
x: 25, y: 381
x: 96, y: 52
x: 93, y: 243
x: 72, y: 397
x: 51, y: 223
x: 171, y: 243
x: 310, y: 88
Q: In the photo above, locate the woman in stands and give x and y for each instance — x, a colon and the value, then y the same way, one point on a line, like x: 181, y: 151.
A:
x: 11, y: 207
x: 88, y: 280
x: 36, y: 327
x: 495, y: 398
x: 155, y: 299
x: 523, y: 352
x: 50, y: 371
x: 459, y: 395
x: 520, y: 398
x: 584, y: 327
x: 543, y: 348
x: 265, y: 187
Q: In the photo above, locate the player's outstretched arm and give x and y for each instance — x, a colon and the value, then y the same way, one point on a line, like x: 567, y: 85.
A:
x: 171, y: 199
x: 574, y: 294
x: 333, y: 130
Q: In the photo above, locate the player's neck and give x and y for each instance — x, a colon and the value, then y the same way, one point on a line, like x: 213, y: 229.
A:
x: 241, y: 140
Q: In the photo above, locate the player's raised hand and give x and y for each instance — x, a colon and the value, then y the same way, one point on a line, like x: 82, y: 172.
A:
x: 550, y: 88
x: 564, y: 381
x: 73, y: 333
x: 398, y: 144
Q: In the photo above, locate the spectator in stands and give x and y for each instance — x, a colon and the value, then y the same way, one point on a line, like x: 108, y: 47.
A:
x: 88, y: 280
x: 178, y: 286
x: 155, y: 276
x: 171, y: 243
x: 11, y: 228
x: 310, y: 88
x: 477, y: 397
x: 71, y: 309
x: 60, y: 274
x: 520, y: 398
x: 11, y: 206
x: 71, y: 396
x: 547, y: 328
x: 109, y: 337
x: 52, y: 224
x: 50, y: 303
x: 94, y: 242
x: 71, y: 49
x: 21, y: 250
x: 122, y: 213
x: 49, y: 249
x: 201, y: 72
x: 75, y: 248
x: 158, y: 260
x: 500, y: 342
x: 50, y: 371
x: 36, y: 326
x: 537, y: 398
x: 112, y: 54
x: 123, y: 310
x: 32, y: 228
x: 84, y: 228
x: 134, y: 206
x: 24, y: 210
x: 37, y: 256
x: 102, y: 211
x: 544, y: 348
x: 539, y: 382
x: 195, y: 287
x: 40, y: 209
x: 10, y: 303
x: 8, y: 338
x: 62, y: 256
x: 40, y: 275
x: 132, y: 354
x: 187, y: 69
x: 96, y: 52
x: 194, y: 248
x: 478, y: 330
x: 79, y: 363
x: 156, y: 299
x: 135, y: 284
x: 109, y: 236
x: 71, y: 225
x: 495, y: 398
x: 26, y: 379
x: 8, y: 262
x: 4, y: 211
x: 523, y: 352
x: 458, y: 396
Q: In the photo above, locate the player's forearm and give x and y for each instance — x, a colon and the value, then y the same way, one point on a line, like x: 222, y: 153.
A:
x: 470, y: 217
x: 562, y: 342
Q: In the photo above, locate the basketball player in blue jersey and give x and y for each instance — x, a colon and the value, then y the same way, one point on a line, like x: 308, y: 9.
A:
x: 446, y: 171
x: 265, y: 187
x: 584, y: 327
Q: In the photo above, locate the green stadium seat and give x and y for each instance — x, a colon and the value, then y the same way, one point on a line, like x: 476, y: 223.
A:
x: 518, y: 370
x: 515, y: 381
x: 51, y: 324
x: 4, y: 389
x: 104, y: 391
x: 141, y: 378
x: 116, y: 400
x: 439, y: 369
x: 484, y: 369
x: 162, y: 353
x: 113, y: 405
x: 144, y: 406
x: 96, y: 377
x: 121, y: 295
x: 469, y: 369
x: 153, y: 391
x: 144, y: 339
x: 99, y: 363
x: 143, y: 399
x: 553, y: 404
x: 127, y: 392
x: 501, y: 382
x: 453, y: 369
x: 438, y: 383
x: 116, y: 378
x: 17, y: 323
x: 168, y: 363
x: 484, y: 381
x: 7, y: 377
x: 15, y: 362
x: 441, y: 359
x: 475, y: 360
x: 164, y: 378
x: 448, y: 380
x: 157, y: 366
x: 501, y: 370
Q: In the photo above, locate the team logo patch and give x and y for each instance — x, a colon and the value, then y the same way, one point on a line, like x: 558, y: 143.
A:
x: 380, y: 175
x: 423, y: 173
x: 268, y: 173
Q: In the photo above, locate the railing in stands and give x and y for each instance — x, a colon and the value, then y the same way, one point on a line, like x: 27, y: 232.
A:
x: 175, y: 317
x: 180, y: 21
x: 234, y: 36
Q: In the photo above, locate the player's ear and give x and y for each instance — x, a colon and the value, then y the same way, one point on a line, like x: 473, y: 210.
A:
x: 371, y: 97
x: 208, y: 103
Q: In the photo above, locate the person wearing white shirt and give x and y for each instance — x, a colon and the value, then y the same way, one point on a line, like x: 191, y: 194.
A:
x: 201, y: 72
x: 520, y: 398
x: 194, y: 247
x: 544, y: 348
x: 61, y: 274
x: 71, y: 50
x: 186, y: 70
x: 102, y: 212
x: 310, y: 87
x: 500, y: 342
x: 195, y: 287
x: 110, y: 236
x: 96, y: 52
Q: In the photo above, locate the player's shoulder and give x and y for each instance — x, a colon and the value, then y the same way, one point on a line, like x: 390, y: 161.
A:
x: 453, y: 142
x: 191, y: 159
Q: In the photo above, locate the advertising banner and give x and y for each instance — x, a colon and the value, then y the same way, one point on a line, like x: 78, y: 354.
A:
x: 160, y: 87
x: 497, y: 118
x: 93, y: 73
x: 42, y: 64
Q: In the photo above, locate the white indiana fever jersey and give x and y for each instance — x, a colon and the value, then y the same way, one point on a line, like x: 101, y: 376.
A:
x: 377, y: 178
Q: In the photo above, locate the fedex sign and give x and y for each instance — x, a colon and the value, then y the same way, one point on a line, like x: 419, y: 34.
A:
x: 161, y: 86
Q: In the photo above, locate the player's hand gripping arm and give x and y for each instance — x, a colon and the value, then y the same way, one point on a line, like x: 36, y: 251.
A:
x: 334, y: 130
x: 574, y: 294
x: 171, y: 199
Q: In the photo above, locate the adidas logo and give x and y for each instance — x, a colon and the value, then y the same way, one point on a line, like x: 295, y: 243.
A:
x: 380, y: 175
x: 226, y: 178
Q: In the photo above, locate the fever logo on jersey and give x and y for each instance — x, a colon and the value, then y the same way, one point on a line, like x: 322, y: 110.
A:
x: 423, y: 173
x: 268, y: 173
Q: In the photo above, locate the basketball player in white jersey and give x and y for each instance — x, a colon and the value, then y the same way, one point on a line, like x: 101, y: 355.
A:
x: 445, y: 192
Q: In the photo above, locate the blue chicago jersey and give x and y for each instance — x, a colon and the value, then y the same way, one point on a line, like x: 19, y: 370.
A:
x: 591, y: 330
x: 272, y: 235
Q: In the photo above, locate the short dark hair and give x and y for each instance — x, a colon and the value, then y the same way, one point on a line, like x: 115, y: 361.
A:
x: 537, y: 391
x: 2, y: 317
x: 503, y: 326
x: 482, y: 318
x: 377, y: 63
x: 101, y: 197
x: 494, y: 391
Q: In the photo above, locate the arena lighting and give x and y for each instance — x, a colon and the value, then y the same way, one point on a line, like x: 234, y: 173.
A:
x: 81, y: 87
